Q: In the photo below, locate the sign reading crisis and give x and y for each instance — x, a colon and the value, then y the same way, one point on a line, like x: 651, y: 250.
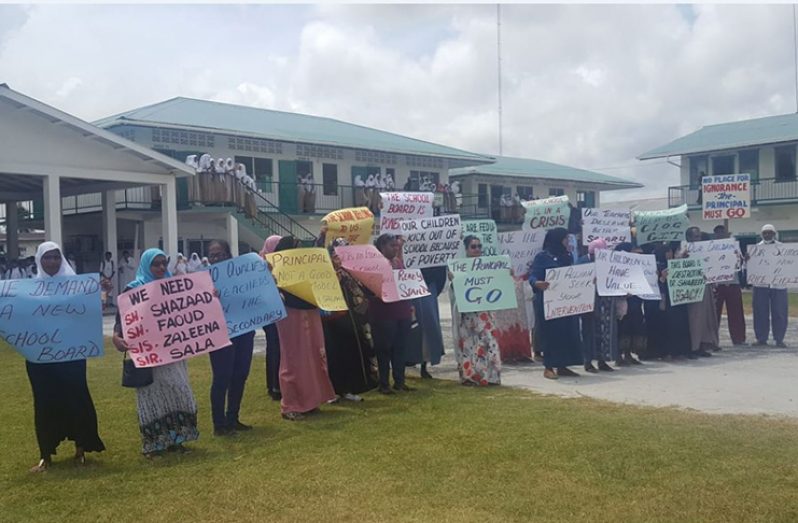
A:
x: 546, y: 213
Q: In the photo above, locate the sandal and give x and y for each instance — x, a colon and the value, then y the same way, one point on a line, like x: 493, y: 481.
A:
x: 293, y: 416
x: 42, y: 466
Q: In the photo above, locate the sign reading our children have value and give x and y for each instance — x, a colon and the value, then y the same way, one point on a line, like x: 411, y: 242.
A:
x: 248, y: 294
x: 308, y: 274
x: 53, y: 320
x: 668, y: 225
x: 572, y: 291
x: 353, y: 224
x: 620, y: 273
x: 726, y: 196
x: 483, y: 284
x: 546, y: 213
x: 172, y: 319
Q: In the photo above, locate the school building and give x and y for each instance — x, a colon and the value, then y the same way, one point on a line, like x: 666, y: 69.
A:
x: 765, y: 148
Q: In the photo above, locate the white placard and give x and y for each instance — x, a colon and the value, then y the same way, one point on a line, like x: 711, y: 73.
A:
x: 571, y: 291
x: 410, y: 284
x: 773, y: 264
x: 610, y: 224
x: 430, y: 242
x: 620, y: 273
x: 726, y: 196
x: 397, y: 206
x: 521, y: 247
x: 720, y: 259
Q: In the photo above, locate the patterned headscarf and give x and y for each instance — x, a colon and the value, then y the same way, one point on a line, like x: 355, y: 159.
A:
x: 143, y: 273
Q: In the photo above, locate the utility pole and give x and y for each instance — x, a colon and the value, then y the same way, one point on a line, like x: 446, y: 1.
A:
x: 499, y: 69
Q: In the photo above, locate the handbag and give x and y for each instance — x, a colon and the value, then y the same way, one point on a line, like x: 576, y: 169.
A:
x: 134, y: 377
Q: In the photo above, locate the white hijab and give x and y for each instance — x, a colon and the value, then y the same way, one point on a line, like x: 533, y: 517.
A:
x: 64, y: 270
x: 194, y: 263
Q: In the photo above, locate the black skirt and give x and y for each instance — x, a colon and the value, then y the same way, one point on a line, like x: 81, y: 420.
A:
x: 349, y: 354
x: 62, y: 406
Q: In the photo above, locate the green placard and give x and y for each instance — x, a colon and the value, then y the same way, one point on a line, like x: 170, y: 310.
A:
x: 483, y: 284
x: 668, y: 225
x: 486, y: 231
x: 686, y: 280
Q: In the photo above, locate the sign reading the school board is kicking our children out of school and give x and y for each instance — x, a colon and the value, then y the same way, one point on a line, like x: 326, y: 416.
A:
x: 686, y: 283
x: 668, y: 225
x: 546, y: 213
x: 248, y: 293
x: 172, y: 319
x: 368, y: 266
x: 53, y: 320
x: 353, y: 224
x: 308, y: 274
x: 483, y: 284
x: 398, y: 206
x: 571, y: 291
x: 726, y: 196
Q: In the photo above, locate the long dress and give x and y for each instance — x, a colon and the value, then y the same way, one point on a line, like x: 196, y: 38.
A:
x: 605, y: 325
x: 304, y: 381
x: 632, y: 328
x: 514, y: 336
x: 703, y: 321
x: 62, y: 406
x: 476, y: 349
x: 348, y: 343
x: 559, y: 338
x: 666, y: 326
x: 425, y: 343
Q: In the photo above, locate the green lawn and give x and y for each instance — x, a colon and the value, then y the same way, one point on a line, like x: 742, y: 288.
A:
x: 792, y: 298
x: 442, y: 453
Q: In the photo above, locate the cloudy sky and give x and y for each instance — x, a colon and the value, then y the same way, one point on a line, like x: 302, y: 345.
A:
x: 591, y: 86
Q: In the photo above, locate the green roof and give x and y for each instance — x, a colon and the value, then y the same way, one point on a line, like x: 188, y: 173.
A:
x: 538, y: 169
x: 733, y: 135
x: 207, y: 116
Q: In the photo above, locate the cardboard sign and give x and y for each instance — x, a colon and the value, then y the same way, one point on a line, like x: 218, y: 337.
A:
x: 610, y: 224
x: 726, y: 196
x: 172, y: 319
x: 309, y: 275
x: 430, y: 242
x: 720, y: 258
x: 483, y: 284
x: 546, y: 213
x: 486, y: 231
x: 521, y: 247
x: 248, y: 294
x: 686, y: 282
x: 571, y: 291
x: 398, y: 206
x: 353, y: 224
x: 619, y: 273
x: 53, y: 320
x: 773, y: 264
x: 668, y: 225
x: 368, y: 266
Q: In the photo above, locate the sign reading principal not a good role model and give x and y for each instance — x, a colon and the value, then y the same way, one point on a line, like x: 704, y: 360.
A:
x: 726, y: 196
x: 172, y: 319
x: 53, y: 320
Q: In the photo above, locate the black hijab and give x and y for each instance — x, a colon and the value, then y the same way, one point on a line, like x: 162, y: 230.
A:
x: 553, y: 245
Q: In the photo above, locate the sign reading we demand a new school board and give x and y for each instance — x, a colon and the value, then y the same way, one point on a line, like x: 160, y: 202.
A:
x: 726, y: 196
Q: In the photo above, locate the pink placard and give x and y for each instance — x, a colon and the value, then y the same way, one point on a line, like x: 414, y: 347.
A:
x: 172, y: 319
x: 373, y: 270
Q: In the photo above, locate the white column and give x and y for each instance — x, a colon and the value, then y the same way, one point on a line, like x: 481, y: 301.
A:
x: 52, y: 208
x: 12, y: 231
x: 109, y: 235
x: 232, y: 234
x: 169, y: 217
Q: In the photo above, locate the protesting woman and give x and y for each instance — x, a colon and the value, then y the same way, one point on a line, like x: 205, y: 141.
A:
x: 427, y: 347
x: 632, y: 323
x: 304, y: 382
x: 590, y: 321
x: 559, y: 338
x: 667, y: 326
x: 476, y: 349
x: 347, y: 337
x: 272, y: 337
x: 62, y: 405
x: 166, y: 407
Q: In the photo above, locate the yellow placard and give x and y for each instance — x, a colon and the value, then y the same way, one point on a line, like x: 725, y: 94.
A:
x: 308, y: 274
x: 353, y: 224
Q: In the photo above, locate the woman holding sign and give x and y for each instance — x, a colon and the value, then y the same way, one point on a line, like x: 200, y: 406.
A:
x: 166, y: 407
x: 476, y: 349
x: 62, y: 405
x: 559, y: 338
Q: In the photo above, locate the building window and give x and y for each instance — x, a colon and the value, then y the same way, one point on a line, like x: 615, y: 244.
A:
x: 556, y: 191
x: 785, y: 163
x: 417, y: 178
x: 698, y: 169
x: 482, y: 195
x: 749, y: 163
x: 329, y: 173
x: 260, y: 169
x: 525, y: 192
x: 585, y: 199
x: 723, y: 164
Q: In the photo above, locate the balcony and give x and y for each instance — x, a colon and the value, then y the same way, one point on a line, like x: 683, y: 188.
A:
x: 763, y: 192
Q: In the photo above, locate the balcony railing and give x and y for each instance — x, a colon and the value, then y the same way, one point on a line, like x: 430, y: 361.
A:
x: 763, y: 192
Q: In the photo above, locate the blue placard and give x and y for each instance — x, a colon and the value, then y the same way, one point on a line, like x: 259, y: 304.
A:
x: 53, y: 320
x: 249, y: 296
